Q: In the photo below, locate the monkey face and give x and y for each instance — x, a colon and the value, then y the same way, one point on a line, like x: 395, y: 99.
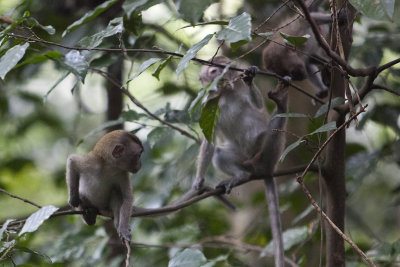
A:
x: 127, y: 156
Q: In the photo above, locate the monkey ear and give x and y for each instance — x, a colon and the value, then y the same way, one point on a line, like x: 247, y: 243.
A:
x: 117, y: 151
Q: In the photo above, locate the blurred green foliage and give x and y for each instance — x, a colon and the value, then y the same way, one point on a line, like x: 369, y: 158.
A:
x: 52, y: 103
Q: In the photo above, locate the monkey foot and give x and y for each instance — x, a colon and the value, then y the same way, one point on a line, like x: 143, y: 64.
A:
x: 323, y: 93
x: 226, y: 185
x: 125, y: 234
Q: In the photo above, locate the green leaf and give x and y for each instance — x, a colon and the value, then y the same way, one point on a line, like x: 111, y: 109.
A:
x: 215, y: 22
x: 89, y: 16
x: 291, y: 237
x: 77, y: 63
x: 131, y: 6
x: 11, y: 58
x: 145, y: 65
x: 295, y: 40
x: 36, y: 219
x: 209, y: 118
x: 235, y: 46
x: 161, y: 66
x: 238, y: 29
x: 96, y: 39
x: 337, y: 101
x: 34, y: 23
x: 4, y: 227
x: 62, y: 78
x: 131, y: 115
x: 290, y: 148
x: 14, y: 24
x: 196, y: 103
x: 40, y: 58
x: 375, y: 9
x: 191, y: 53
x: 187, y: 257
x: 192, y: 10
x: 330, y: 126
x: 290, y: 115
x: 157, y: 135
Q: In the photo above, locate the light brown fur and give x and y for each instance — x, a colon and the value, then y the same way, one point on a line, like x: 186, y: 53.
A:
x: 98, y: 182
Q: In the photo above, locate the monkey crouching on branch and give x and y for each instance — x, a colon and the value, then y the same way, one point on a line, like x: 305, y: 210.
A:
x: 299, y: 62
x: 99, y: 182
x: 247, y: 145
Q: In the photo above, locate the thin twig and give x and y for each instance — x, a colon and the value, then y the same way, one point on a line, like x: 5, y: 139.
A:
x: 315, y: 204
x: 141, y: 106
x: 20, y: 198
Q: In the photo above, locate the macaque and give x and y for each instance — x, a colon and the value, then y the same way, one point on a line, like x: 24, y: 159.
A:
x: 298, y: 62
x: 247, y: 145
x: 99, y: 182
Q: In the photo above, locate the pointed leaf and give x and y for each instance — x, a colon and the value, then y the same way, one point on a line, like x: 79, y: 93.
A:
x: 337, y: 101
x: 34, y: 23
x: 160, y: 67
x: 36, y: 219
x: 96, y: 39
x: 4, y: 227
x: 77, y: 63
x: 131, y: 6
x: 145, y: 65
x: 192, y: 10
x: 89, y: 16
x: 295, y: 40
x: 187, y: 257
x: 209, y: 118
x: 196, y: 103
x: 290, y: 148
x: 40, y: 58
x: 325, y: 128
x: 239, y: 28
x: 62, y: 78
x: 374, y: 9
x: 191, y: 53
x: 291, y: 237
x: 11, y: 58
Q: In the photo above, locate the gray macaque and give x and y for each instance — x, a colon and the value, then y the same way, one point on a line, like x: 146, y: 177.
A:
x: 247, y: 145
x: 99, y: 182
x: 299, y: 63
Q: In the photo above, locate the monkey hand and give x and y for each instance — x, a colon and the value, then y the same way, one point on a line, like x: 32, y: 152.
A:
x: 124, y: 233
x: 74, y: 200
x: 249, y: 74
x: 198, y: 184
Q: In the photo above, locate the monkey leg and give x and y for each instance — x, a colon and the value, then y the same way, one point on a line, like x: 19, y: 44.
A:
x: 89, y: 211
x: 230, y: 160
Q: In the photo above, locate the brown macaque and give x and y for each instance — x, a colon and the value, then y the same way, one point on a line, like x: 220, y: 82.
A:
x: 298, y: 63
x: 246, y: 143
x: 99, y: 182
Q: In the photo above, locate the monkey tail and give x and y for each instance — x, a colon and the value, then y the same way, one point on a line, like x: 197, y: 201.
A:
x: 275, y: 219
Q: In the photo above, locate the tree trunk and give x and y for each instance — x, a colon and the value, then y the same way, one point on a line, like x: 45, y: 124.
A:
x: 334, y: 168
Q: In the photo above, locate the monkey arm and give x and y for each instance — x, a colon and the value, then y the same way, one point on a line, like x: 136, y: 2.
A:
x: 204, y: 160
x: 72, y: 177
x: 124, y: 212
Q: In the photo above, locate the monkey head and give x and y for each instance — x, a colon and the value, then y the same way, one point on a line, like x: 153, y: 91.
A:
x: 121, y: 149
x: 209, y: 73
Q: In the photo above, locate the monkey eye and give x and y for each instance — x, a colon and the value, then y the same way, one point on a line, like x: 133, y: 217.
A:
x: 213, y: 71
